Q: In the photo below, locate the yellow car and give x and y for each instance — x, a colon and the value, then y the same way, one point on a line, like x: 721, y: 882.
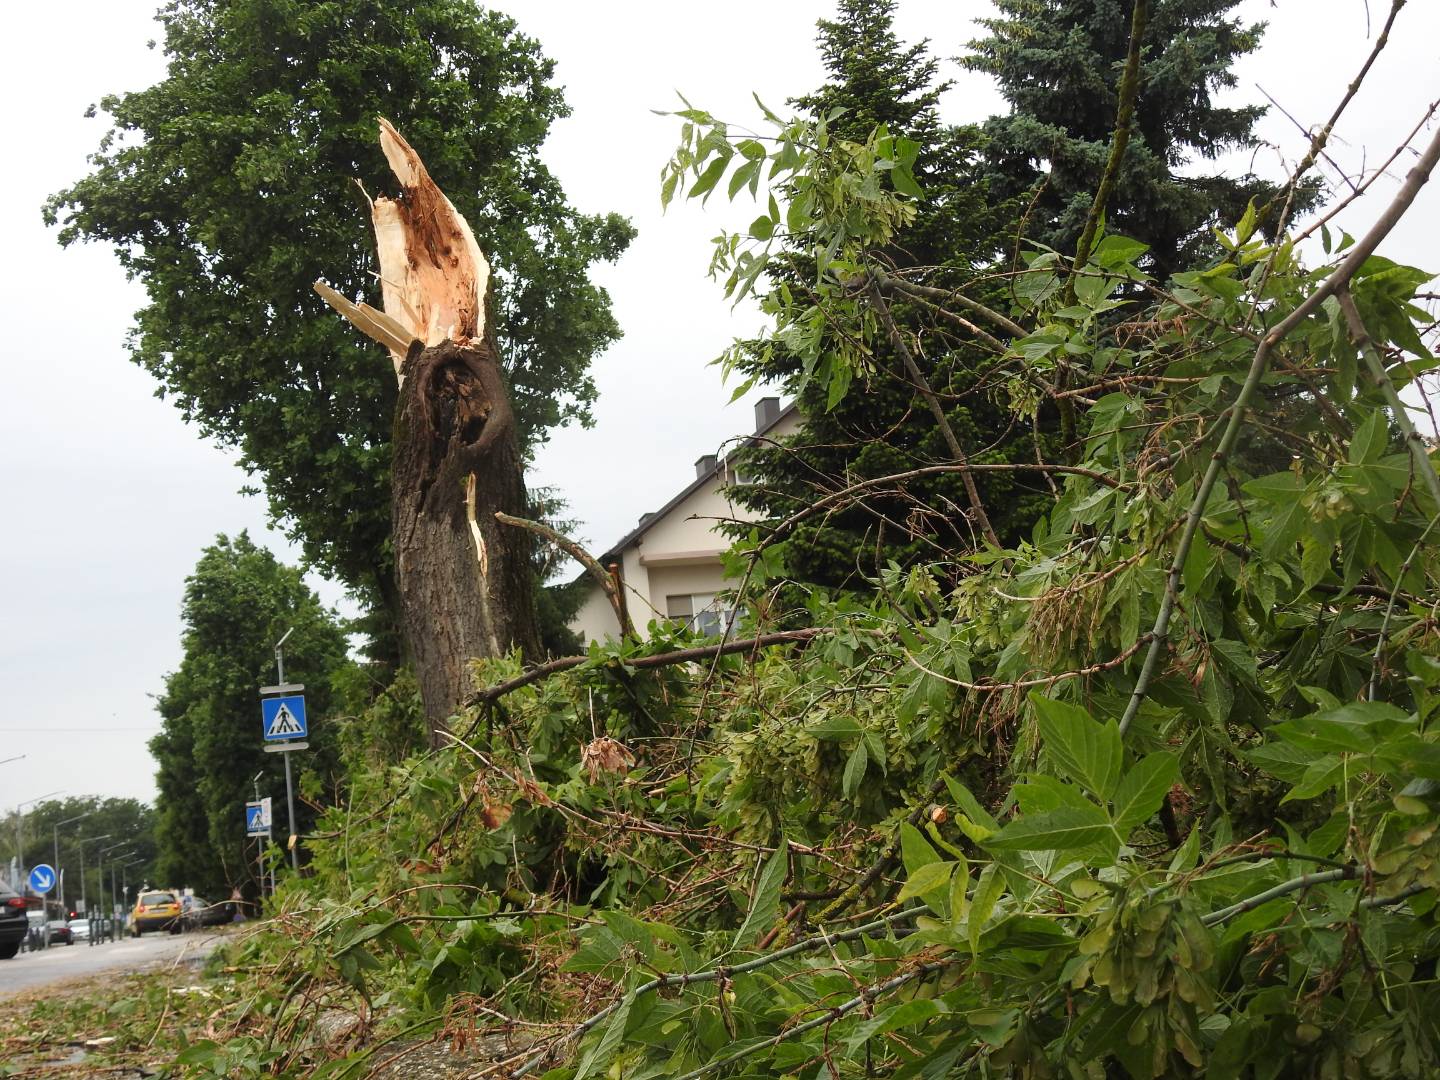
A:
x: 155, y: 911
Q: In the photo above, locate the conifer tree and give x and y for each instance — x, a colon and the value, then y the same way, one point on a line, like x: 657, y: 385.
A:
x: 875, y: 78
x: 1057, y: 63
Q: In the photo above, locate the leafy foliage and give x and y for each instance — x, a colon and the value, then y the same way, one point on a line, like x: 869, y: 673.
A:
x: 238, y: 603
x: 230, y: 186
x: 1057, y: 62
x: 1151, y: 792
x: 115, y: 819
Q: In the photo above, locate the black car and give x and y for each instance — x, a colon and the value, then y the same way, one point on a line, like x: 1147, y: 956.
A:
x: 14, y: 922
x: 197, y: 911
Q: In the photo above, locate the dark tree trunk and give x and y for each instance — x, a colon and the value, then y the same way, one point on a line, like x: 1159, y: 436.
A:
x: 456, y: 463
x: 465, y: 583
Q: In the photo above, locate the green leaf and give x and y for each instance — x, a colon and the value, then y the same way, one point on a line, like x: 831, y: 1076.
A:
x: 1143, y: 788
x: 968, y: 804
x: 926, y: 879
x: 767, y: 897
x: 987, y: 894
x: 1354, y: 727
x: 835, y: 727
x: 1320, y: 777
x: 1081, y: 748
x: 603, y: 1048
x: 1370, y: 439
x: 904, y: 182
x: 855, y: 769
x: 708, y: 179
x: 763, y: 227
x: 1245, y: 228
x: 1065, y: 829
x: 905, y: 1014
x: 915, y: 850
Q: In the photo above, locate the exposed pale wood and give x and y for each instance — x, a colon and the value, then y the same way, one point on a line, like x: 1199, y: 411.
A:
x: 433, y: 277
x: 374, y: 324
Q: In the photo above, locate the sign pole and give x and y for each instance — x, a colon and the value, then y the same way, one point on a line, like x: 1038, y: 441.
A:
x: 289, y: 784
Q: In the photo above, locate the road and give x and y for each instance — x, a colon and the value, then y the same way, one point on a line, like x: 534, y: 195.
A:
x: 37, y: 970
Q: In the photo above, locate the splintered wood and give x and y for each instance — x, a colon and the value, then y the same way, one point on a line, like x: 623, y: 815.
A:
x: 433, y: 276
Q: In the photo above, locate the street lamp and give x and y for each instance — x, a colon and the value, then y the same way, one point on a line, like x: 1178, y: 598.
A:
x: 55, y: 839
x: 101, y: 861
x: 20, y: 827
x: 81, y: 843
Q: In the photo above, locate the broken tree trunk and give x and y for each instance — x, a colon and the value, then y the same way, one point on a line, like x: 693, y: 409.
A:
x: 465, y: 583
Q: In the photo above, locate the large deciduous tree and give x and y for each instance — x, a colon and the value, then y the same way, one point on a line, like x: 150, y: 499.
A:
x: 230, y: 186
x: 238, y: 602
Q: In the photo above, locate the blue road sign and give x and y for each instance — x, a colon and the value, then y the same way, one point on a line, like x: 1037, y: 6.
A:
x: 283, y: 717
x: 42, y: 878
x: 257, y: 818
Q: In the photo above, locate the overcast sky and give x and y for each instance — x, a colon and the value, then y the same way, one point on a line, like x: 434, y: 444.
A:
x: 109, y: 497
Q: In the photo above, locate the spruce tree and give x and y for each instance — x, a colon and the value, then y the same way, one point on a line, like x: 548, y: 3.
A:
x: 1058, y: 62
x: 885, y: 427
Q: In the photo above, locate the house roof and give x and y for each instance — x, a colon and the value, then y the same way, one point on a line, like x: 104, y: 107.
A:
x: 695, y: 485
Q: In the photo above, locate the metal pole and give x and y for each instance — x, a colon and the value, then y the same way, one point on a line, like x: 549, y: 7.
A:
x: 289, y: 784
x: 82, y: 842
x: 20, y: 832
x: 55, y: 838
x: 294, y: 829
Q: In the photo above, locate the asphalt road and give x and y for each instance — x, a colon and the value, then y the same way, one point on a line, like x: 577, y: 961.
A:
x: 37, y: 970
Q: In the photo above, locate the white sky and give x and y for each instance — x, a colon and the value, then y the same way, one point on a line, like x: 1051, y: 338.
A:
x: 110, y: 497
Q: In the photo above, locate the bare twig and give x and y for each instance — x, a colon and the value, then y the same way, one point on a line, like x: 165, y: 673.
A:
x: 679, y: 656
x: 897, y: 342
x: 583, y: 557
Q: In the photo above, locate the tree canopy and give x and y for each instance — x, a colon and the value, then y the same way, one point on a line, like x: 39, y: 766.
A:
x: 231, y: 185
x: 126, y: 822
x: 876, y: 79
x: 238, y: 602
x: 1057, y: 63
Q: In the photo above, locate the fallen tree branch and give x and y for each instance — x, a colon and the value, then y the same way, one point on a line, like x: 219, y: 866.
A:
x: 684, y: 979
x: 1337, y: 280
x: 583, y: 557
x: 826, y: 501
x: 897, y: 342
x: 679, y: 656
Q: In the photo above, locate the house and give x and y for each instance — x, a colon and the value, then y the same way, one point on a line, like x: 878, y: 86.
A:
x: 669, y: 565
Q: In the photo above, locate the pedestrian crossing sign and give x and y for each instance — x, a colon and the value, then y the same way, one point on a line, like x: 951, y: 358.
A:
x: 283, y: 718
x: 257, y: 818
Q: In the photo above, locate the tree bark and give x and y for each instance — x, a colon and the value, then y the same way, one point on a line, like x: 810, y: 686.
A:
x: 465, y: 583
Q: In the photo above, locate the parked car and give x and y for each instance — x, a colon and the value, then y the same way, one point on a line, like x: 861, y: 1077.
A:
x: 155, y: 911
x: 79, y: 930
x: 60, y: 932
x: 201, y: 912
x: 14, y: 924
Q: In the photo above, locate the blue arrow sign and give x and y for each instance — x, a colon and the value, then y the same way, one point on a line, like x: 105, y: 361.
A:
x: 283, y: 718
x: 42, y: 879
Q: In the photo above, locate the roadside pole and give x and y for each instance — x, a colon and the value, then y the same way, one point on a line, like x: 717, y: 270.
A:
x: 85, y: 908
x: 284, y: 727
x: 55, y: 840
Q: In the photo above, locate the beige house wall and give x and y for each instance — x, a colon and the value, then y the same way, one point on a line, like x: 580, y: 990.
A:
x: 677, y: 554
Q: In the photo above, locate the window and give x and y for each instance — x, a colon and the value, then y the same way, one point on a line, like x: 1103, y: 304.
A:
x: 700, y: 612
